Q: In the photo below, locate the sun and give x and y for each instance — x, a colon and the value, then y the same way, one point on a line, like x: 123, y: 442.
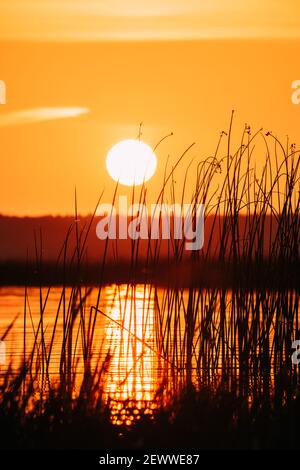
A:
x: 131, y: 162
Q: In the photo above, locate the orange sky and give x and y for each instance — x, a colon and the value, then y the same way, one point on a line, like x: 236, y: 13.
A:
x: 147, y: 19
x: 72, y: 93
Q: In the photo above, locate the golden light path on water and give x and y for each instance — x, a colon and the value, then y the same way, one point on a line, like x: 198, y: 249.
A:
x: 151, y: 341
x: 132, y: 374
x: 125, y: 329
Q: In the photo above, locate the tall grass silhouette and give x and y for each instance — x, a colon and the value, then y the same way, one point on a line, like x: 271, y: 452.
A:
x: 233, y: 339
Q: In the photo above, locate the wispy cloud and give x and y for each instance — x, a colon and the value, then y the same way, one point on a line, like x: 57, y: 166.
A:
x: 98, y: 20
x: 28, y: 116
x: 111, y: 8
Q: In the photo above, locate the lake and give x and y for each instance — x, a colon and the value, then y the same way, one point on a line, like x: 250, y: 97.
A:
x: 149, y: 342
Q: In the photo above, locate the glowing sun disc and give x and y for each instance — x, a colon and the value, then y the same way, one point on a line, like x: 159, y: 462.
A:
x: 131, y: 162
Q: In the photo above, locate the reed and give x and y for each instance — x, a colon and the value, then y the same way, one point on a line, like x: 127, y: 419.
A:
x: 235, y: 339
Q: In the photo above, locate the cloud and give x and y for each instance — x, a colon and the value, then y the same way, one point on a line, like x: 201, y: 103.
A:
x: 38, y: 115
x: 100, y: 20
x: 111, y: 8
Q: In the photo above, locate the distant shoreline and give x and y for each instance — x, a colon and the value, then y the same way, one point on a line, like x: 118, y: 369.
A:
x: 187, y: 274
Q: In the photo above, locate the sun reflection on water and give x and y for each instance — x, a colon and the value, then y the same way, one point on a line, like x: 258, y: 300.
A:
x: 132, y: 378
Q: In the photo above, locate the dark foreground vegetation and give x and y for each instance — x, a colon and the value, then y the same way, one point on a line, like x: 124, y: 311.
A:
x: 203, y: 419
x: 228, y: 380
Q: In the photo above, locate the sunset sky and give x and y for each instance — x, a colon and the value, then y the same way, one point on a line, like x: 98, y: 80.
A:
x: 82, y: 75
